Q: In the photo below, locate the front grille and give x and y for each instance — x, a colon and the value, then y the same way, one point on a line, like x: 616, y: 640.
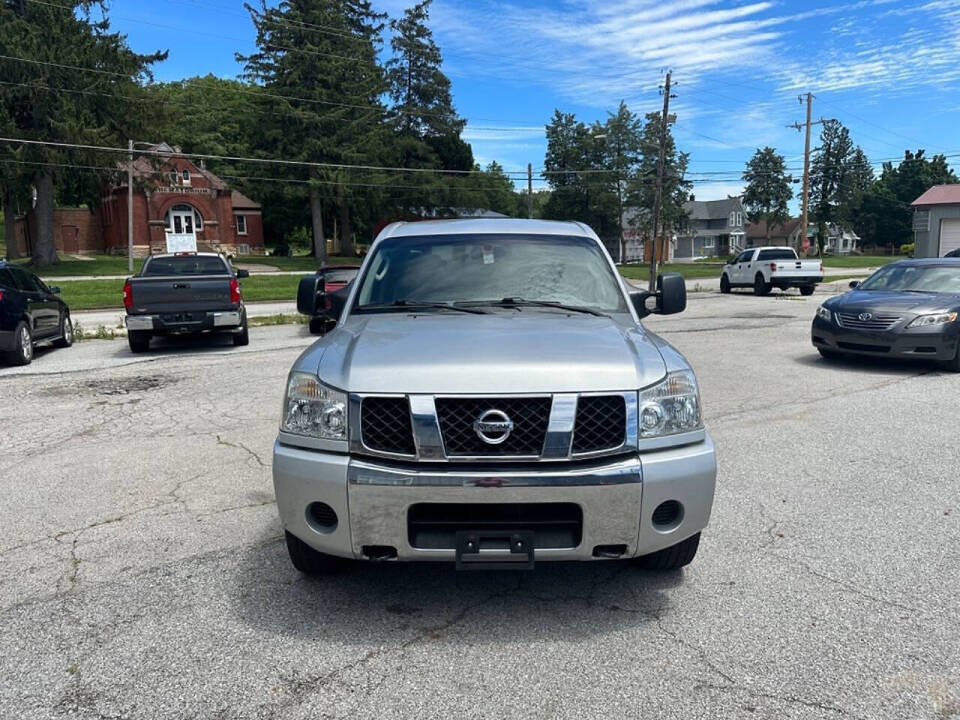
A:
x: 435, y: 525
x: 530, y: 417
x: 874, y: 322
x: 385, y: 425
x: 601, y: 423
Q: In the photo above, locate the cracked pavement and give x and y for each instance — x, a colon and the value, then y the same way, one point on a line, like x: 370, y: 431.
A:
x: 143, y: 573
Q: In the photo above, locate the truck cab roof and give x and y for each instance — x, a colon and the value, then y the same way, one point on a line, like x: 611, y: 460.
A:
x: 486, y: 226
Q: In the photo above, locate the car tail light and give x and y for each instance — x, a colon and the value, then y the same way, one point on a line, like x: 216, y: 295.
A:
x: 773, y: 267
x: 234, y: 290
x: 1, y: 294
x: 128, y: 295
x: 821, y: 268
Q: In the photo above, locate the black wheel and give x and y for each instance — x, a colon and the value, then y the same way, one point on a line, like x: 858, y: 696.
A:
x: 66, y: 333
x: 318, y: 325
x: 139, y: 340
x: 22, y: 353
x: 829, y: 354
x: 242, y: 337
x: 310, y: 561
x: 806, y: 290
x: 724, y: 284
x: 673, y: 557
x: 760, y: 286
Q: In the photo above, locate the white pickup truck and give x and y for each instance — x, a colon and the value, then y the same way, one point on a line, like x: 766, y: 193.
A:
x: 763, y: 268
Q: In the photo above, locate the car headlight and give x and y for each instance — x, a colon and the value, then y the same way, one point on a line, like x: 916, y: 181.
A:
x: 824, y: 314
x: 936, y: 319
x: 671, y: 406
x: 311, y: 408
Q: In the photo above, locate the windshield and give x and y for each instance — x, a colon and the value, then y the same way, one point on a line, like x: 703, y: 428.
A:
x: 488, y: 268
x: 918, y: 278
x: 186, y: 265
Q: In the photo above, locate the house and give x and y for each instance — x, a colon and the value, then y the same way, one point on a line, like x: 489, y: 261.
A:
x: 839, y: 240
x: 936, y: 221
x: 173, y: 199
x: 786, y: 233
x: 712, y: 227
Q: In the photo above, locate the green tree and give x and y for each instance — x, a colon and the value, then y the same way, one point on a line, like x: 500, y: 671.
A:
x: 768, y: 188
x: 643, y: 187
x: 830, y: 177
x: 324, y: 52
x: 884, y: 214
x: 622, y: 149
x: 48, y: 101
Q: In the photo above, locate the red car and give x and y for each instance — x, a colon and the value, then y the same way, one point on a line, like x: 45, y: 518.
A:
x: 335, y: 277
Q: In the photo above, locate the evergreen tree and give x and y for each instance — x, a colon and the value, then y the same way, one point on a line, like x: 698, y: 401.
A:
x: 325, y: 52
x: 768, y: 189
x: 46, y: 100
x: 830, y: 173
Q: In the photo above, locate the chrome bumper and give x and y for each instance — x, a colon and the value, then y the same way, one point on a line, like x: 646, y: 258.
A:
x: 371, y: 499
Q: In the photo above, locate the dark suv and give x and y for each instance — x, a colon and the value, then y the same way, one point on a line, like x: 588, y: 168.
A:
x: 30, y: 312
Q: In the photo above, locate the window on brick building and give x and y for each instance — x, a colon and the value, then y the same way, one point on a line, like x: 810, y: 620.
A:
x: 241, y: 224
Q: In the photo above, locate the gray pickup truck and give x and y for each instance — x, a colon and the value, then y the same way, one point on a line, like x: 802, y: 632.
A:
x: 184, y: 293
x: 489, y: 397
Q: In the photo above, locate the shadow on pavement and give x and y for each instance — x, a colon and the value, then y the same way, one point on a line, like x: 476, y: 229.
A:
x: 866, y: 364
x: 373, y: 602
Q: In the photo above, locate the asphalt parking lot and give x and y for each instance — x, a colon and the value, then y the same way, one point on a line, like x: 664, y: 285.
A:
x: 143, y: 572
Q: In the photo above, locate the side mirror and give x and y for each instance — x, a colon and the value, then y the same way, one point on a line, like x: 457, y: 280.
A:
x: 55, y: 289
x: 241, y: 274
x: 671, y: 294
x: 309, y: 292
x: 638, y: 299
x: 854, y: 284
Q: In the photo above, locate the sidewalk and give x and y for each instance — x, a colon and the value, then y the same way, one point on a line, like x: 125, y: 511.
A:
x: 90, y: 320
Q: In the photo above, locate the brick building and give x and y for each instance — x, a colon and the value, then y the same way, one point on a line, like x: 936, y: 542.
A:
x: 174, y: 199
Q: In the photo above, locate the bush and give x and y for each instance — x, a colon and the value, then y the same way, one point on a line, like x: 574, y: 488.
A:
x: 906, y: 249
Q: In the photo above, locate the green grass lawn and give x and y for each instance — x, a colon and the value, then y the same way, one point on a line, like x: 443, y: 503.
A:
x: 859, y: 261
x: 688, y: 270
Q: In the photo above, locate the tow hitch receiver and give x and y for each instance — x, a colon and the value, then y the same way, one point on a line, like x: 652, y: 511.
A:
x: 495, y: 550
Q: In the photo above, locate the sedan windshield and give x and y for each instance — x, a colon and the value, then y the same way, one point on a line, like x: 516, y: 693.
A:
x: 915, y: 278
x: 486, y: 269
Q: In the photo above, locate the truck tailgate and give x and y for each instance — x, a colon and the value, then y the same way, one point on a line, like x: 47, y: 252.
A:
x: 795, y: 268
x: 180, y: 294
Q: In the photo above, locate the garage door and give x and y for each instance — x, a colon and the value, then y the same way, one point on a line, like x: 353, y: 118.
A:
x: 949, y: 236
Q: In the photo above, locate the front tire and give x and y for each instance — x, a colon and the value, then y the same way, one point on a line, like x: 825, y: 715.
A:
x: 673, y: 557
x: 806, y: 290
x: 22, y: 353
x: 310, y: 561
x: 760, y: 286
x: 139, y: 340
x: 724, y: 284
x: 66, y: 333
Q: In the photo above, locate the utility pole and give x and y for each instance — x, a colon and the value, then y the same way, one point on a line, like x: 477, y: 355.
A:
x: 529, y: 190
x: 658, y: 202
x: 130, y: 206
x: 804, y: 211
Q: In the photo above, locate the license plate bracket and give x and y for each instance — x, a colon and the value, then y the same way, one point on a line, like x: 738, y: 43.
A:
x: 495, y: 550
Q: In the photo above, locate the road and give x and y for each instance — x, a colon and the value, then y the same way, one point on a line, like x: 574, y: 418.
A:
x: 143, y: 573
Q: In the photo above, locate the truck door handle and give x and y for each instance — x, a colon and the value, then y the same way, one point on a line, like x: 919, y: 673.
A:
x: 181, y: 286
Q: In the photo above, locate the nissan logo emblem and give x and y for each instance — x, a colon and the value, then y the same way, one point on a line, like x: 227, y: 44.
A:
x: 865, y: 316
x: 493, y: 427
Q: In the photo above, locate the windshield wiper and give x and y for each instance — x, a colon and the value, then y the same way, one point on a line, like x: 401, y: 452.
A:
x: 419, y: 305
x: 517, y: 302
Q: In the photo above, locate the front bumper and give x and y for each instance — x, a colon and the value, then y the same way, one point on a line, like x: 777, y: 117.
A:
x: 186, y: 322
x: 930, y: 343
x: 617, y: 498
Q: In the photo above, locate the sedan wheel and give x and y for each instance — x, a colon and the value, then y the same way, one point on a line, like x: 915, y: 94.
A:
x: 66, y: 333
x: 22, y: 353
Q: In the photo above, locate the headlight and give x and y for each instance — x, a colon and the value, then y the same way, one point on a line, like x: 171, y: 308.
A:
x: 311, y: 408
x: 824, y: 314
x: 937, y: 319
x: 670, y: 407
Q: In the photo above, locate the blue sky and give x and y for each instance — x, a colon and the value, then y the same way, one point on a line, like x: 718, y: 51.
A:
x: 888, y: 69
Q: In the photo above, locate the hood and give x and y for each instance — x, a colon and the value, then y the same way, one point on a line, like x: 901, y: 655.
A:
x: 892, y: 302
x: 504, y: 352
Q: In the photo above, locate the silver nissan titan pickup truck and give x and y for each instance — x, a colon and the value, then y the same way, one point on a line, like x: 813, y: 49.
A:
x: 489, y: 397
